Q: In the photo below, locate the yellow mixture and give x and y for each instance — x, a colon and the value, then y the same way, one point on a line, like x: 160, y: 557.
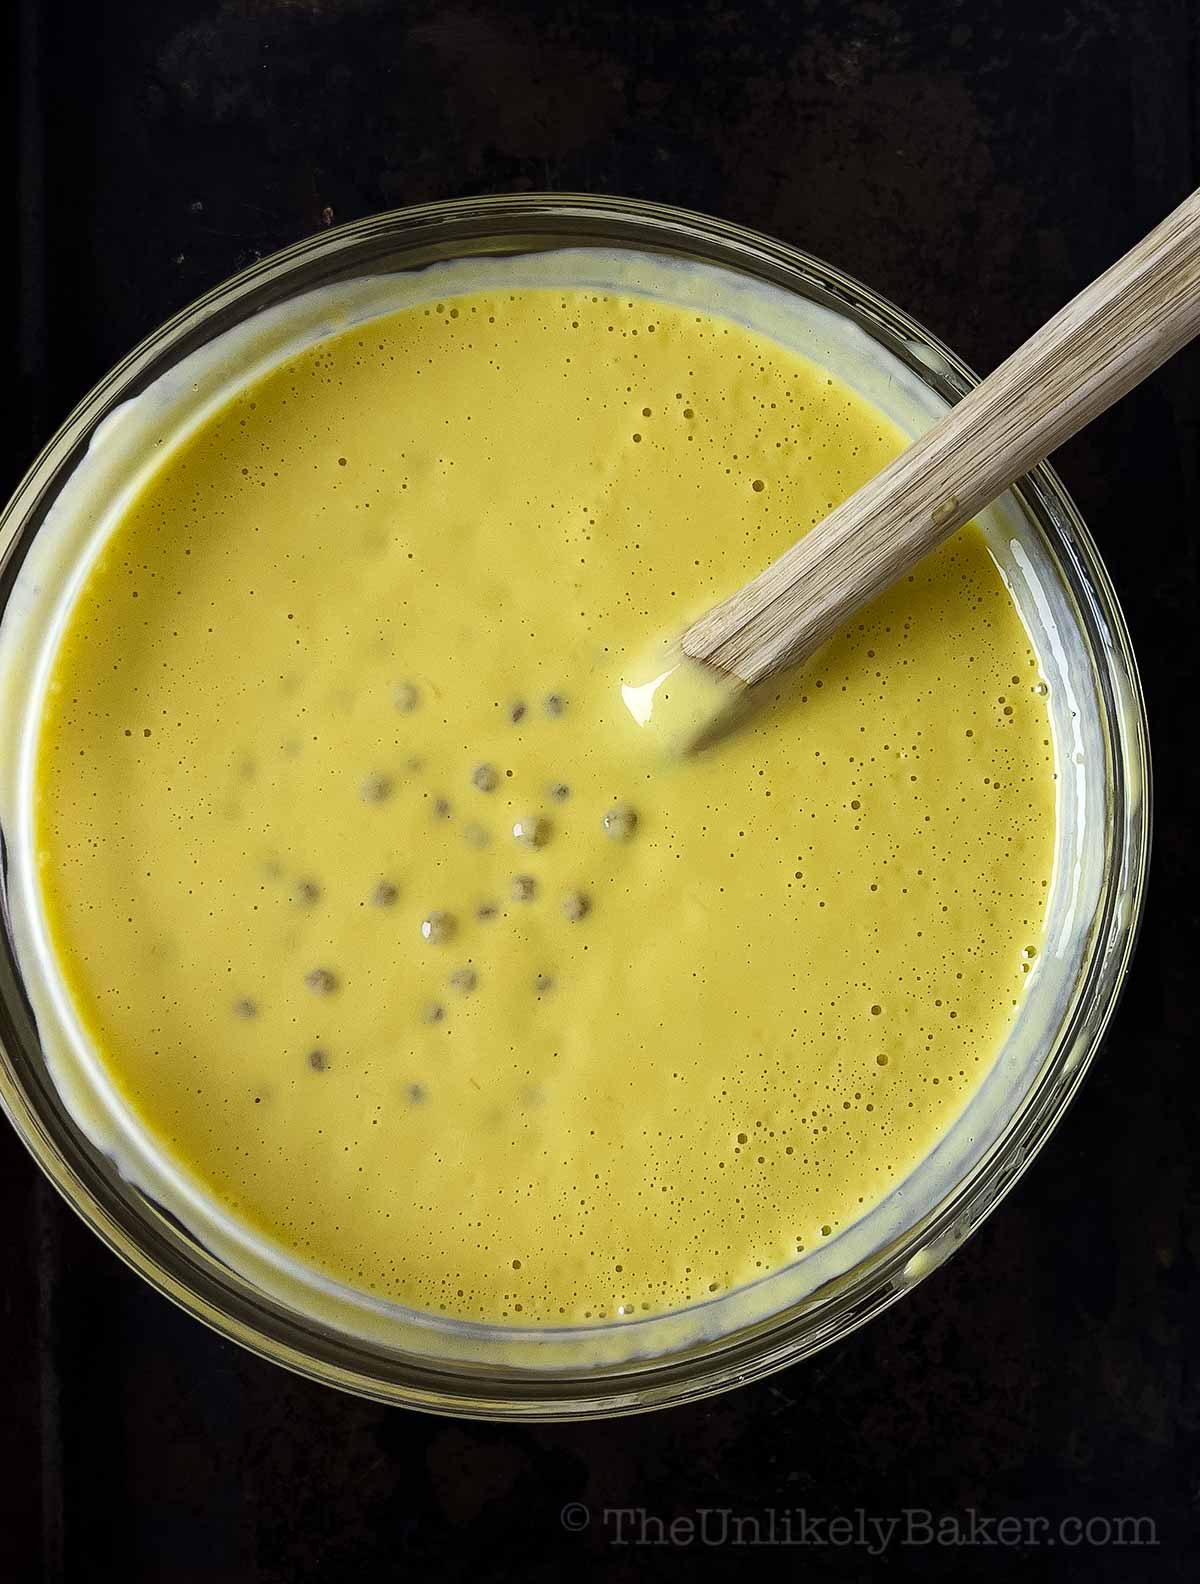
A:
x: 377, y: 907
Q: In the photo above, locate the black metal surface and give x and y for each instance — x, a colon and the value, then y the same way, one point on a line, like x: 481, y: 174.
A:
x: 977, y: 161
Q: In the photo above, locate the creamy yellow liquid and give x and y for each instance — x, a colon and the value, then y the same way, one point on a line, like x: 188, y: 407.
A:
x: 407, y: 564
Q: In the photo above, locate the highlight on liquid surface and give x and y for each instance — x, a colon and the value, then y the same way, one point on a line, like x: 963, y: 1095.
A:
x: 372, y: 901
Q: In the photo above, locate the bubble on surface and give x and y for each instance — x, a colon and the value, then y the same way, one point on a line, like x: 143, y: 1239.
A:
x: 377, y: 788
x: 439, y: 927
x: 531, y: 830
x: 576, y: 905
x: 620, y: 822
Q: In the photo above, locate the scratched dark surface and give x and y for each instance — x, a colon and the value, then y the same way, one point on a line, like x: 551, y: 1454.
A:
x: 977, y: 161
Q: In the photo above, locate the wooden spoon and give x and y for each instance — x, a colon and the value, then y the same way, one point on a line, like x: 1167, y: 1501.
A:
x: 1104, y: 342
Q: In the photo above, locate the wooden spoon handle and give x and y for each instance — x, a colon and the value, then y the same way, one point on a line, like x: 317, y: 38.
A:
x: 1116, y: 332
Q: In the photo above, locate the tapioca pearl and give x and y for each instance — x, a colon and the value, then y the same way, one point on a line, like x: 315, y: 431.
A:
x: 407, y: 697
x: 559, y: 791
x: 620, y: 822
x: 384, y: 894
x: 433, y: 1012
x: 245, y: 1008
x: 576, y: 905
x: 438, y: 927
x: 321, y: 981
x: 318, y: 1060
x: 442, y: 808
x: 531, y: 830
x: 485, y: 777
x: 377, y: 788
x: 464, y: 980
x: 555, y: 705
x: 523, y: 888
x: 475, y: 836
x: 307, y: 892
x: 517, y: 711
x: 487, y: 910
x: 543, y: 984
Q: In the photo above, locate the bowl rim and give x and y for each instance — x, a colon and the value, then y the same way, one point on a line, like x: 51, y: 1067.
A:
x: 834, y: 1311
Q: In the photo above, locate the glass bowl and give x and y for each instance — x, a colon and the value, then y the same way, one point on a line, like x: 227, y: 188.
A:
x: 382, y: 1350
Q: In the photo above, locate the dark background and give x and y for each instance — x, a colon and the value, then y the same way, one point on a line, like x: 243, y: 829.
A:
x: 977, y: 161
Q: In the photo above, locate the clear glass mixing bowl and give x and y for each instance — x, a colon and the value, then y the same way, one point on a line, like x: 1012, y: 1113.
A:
x: 625, y: 1365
